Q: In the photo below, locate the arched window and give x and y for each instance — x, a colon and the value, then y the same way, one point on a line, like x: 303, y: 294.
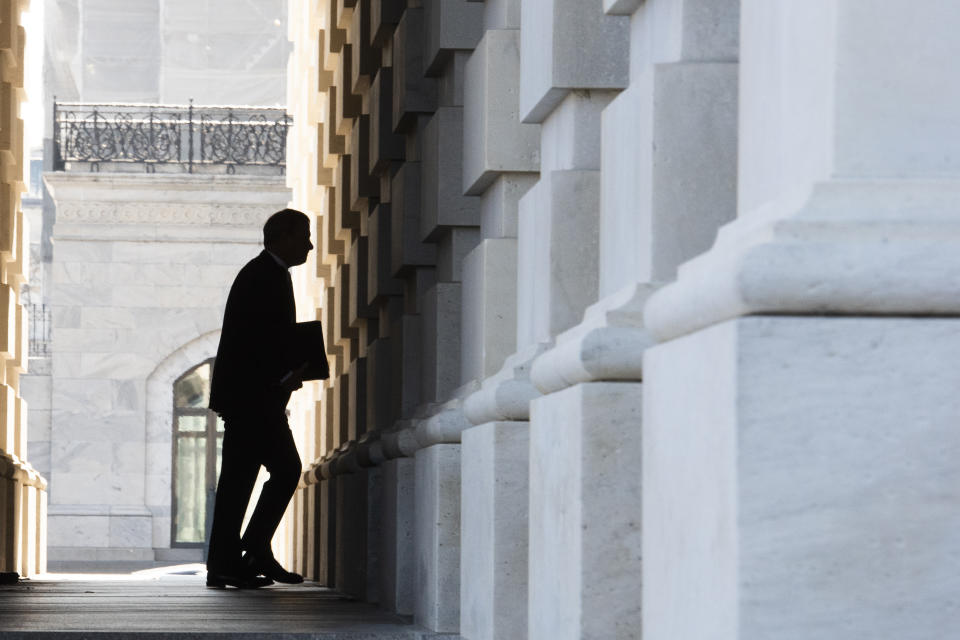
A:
x: 197, y: 445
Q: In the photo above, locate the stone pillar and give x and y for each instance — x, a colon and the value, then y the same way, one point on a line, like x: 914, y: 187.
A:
x: 501, y: 161
x: 669, y: 141
x: 799, y: 430
x: 667, y: 181
x: 437, y: 534
x: 493, y: 572
x: 573, y: 63
x: 585, y: 517
x: 22, y: 490
x: 326, y: 527
x: 397, y: 558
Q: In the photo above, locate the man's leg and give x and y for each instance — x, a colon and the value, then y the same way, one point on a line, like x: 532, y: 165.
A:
x: 238, y: 473
x: 283, y: 463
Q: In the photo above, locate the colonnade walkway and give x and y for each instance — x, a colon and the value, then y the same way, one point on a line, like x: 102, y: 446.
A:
x: 174, y: 603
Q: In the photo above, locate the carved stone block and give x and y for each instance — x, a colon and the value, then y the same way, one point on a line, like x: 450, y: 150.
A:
x: 567, y: 45
x: 363, y: 185
x: 407, y: 248
x: 384, y: 16
x: 452, y: 25
x: 495, y: 140
x: 380, y: 280
x: 444, y: 204
x: 412, y: 93
x: 385, y: 145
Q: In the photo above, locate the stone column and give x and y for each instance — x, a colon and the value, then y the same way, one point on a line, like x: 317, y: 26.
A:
x: 501, y: 161
x: 667, y: 181
x: 397, y: 559
x: 800, y: 419
x: 573, y: 63
x: 449, y: 219
x: 22, y: 490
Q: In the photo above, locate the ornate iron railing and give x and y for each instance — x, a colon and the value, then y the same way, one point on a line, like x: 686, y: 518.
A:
x: 178, y: 137
x: 40, y: 324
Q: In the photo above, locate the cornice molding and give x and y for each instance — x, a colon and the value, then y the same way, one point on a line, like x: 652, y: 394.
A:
x: 160, y: 213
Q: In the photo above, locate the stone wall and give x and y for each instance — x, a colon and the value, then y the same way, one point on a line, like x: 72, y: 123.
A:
x: 545, y: 229
x: 23, y: 497
x: 215, y: 52
x: 141, y: 269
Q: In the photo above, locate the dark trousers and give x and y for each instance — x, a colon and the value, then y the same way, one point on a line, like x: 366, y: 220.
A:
x: 247, y: 444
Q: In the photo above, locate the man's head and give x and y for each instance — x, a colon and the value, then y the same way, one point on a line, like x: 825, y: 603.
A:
x: 286, y: 234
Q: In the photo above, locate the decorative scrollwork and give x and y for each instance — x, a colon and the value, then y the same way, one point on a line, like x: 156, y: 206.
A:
x: 170, y: 135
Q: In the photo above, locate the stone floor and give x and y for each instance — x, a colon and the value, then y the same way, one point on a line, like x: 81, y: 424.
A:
x: 174, y: 603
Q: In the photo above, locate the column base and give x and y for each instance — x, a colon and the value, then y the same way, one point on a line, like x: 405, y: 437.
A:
x: 397, y: 562
x: 494, y: 498
x: 800, y: 480
x: 437, y: 527
x: 585, y: 512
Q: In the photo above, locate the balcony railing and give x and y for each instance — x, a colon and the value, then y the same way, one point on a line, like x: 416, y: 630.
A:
x: 40, y: 324
x: 169, y: 138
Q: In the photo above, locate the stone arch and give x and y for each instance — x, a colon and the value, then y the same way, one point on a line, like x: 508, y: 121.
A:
x: 159, y: 434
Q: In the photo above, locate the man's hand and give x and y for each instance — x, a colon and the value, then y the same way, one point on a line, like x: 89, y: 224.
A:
x: 294, y: 379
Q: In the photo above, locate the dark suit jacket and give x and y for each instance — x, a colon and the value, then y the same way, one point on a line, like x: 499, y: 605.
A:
x: 252, y: 357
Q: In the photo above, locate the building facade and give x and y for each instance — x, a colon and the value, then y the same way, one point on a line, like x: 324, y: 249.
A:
x: 641, y: 314
x: 23, y: 496
x: 154, y: 201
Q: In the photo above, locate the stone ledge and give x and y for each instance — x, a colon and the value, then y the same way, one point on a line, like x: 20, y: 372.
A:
x: 607, y: 345
x: 848, y: 247
x: 506, y: 395
x: 91, y: 555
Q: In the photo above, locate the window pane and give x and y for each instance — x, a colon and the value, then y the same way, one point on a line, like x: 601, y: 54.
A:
x: 190, y: 496
x: 195, y: 424
x: 219, y: 453
x: 219, y: 424
x: 193, y: 390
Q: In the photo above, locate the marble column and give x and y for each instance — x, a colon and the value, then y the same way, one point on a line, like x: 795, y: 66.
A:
x: 800, y: 428
x: 570, y: 72
x: 666, y: 182
x: 397, y: 558
x: 450, y: 219
x: 501, y: 161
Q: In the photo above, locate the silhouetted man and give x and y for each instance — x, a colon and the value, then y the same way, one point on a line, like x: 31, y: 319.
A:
x: 253, y: 378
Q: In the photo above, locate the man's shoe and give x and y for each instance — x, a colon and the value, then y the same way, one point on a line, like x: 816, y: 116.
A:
x: 224, y: 580
x: 268, y: 566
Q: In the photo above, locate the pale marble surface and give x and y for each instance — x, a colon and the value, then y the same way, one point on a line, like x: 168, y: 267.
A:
x: 437, y: 535
x: 585, y: 513
x: 440, y: 367
x: 494, y: 531
x: 78, y: 531
x: 131, y: 531
x: 141, y: 271
x: 494, y: 139
x: 488, y: 322
x: 669, y: 170
x: 568, y: 44
x: 499, y: 204
x: 813, y: 463
x: 826, y: 182
x: 501, y: 14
